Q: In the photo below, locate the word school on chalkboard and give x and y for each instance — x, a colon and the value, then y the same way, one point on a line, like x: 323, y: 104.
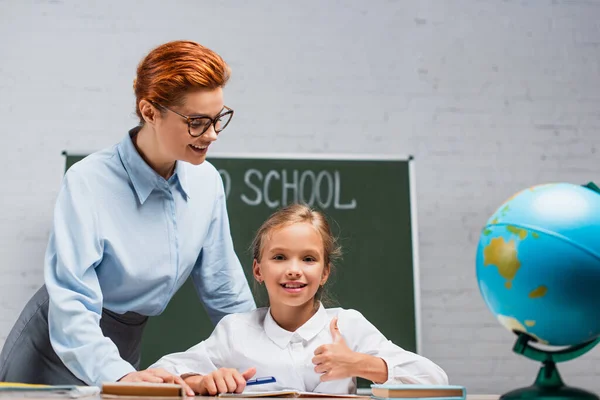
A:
x: 275, y: 188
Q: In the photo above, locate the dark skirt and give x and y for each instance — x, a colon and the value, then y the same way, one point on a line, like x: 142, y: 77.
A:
x: 28, y: 356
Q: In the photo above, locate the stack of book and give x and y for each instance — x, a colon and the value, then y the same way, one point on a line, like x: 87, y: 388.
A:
x: 386, y: 391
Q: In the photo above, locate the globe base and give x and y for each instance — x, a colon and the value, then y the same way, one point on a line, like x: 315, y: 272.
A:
x: 549, y: 386
x: 540, y: 393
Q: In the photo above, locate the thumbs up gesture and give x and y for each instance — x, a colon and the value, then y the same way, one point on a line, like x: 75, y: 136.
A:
x: 335, y: 360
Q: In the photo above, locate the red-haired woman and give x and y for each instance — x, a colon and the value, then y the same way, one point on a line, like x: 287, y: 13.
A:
x: 131, y: 224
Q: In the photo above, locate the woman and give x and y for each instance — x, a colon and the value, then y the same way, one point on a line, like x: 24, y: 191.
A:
x: 131, y: 223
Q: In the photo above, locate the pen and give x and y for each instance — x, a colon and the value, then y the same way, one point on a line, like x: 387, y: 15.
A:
x: 260, y: 381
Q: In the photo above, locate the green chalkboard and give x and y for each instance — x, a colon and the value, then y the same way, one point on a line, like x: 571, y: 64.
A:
x: 368, y: 201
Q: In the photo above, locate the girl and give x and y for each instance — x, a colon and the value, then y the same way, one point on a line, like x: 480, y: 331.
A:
x: 302, y: 344
x: 131, y: 224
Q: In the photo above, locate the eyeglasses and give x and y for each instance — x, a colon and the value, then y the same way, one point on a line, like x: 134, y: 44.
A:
x: 198, y: 124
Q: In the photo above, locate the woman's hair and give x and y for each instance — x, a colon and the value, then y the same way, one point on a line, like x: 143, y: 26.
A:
x: 173, y: 69
x: 298, y: 213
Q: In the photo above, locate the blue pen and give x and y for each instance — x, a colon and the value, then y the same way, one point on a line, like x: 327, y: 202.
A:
x: 260, y: 381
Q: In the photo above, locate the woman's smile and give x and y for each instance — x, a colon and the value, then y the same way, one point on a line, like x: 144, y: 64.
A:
x: 199, y: 149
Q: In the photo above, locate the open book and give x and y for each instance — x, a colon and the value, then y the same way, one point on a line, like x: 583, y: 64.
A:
x: 387, y: 391
x: 288, y: 393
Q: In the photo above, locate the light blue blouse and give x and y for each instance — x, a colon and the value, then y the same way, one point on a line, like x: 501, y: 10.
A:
x: 126, y: 239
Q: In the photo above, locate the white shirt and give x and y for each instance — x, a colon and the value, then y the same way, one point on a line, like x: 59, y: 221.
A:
x: 253, y: 339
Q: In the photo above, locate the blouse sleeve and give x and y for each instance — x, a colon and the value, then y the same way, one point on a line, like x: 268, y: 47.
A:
x: 403, y: 366
x: 218, y: 275
x: 75, y: 307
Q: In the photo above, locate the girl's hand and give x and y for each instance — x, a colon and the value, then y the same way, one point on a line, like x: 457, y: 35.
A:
x: 157, y: 375
x: 223, y: 380
x: 336, y: 360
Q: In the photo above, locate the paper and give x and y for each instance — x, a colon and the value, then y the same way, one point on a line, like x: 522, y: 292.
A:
x: 288, y: 393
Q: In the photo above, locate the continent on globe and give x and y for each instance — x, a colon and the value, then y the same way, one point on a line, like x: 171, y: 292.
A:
x: 502, y: 255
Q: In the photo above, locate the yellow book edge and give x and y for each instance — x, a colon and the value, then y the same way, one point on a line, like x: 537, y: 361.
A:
x: 72, y: 391
x: 23, y: 385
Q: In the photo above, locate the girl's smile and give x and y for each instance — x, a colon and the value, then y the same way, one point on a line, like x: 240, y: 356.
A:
x: 293, y: 287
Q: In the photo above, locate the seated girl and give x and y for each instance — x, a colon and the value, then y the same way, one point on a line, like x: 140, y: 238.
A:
x: 304, y: 345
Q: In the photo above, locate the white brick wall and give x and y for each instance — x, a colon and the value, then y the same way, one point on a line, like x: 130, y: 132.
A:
x: 490, y: 96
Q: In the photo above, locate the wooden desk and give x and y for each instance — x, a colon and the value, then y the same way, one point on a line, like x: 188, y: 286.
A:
x: 6, y: 397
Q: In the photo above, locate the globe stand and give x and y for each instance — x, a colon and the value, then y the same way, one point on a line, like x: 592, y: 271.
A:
x: 548, y: 384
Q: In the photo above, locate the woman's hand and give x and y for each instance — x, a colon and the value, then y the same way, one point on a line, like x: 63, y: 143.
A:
x: 156, y: 375
x: 223, y: 380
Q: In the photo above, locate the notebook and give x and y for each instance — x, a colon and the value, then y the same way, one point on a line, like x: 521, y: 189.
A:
x: 142, y: 389
x: 405, y: 391
x: 289, y: 393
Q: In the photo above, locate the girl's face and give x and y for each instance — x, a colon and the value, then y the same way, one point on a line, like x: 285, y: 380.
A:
x: 172, y: 129
x: 292, y: 265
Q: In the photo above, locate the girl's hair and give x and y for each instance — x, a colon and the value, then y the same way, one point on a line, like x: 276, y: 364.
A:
x: 298, y: 213
x: 173, y: 69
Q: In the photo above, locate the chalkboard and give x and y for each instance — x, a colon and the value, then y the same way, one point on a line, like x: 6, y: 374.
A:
x: 370, y: 202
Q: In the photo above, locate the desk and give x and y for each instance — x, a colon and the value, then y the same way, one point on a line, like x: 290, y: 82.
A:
x: 6, y: 397
x: 483, y: 396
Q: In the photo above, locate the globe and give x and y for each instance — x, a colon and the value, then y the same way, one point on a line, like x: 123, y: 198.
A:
x: 538, y: 267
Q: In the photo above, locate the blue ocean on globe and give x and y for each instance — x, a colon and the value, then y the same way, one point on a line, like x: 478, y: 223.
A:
x: 538, y: 263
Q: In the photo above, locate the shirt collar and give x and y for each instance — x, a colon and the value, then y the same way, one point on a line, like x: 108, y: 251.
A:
x: 306, y: 332
x: 180, y: 171
x: 143, y: 178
